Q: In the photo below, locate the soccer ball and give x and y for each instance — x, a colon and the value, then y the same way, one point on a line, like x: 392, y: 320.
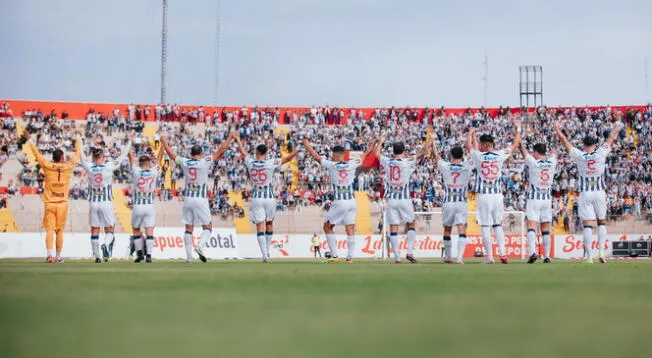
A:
x: 327, y: 254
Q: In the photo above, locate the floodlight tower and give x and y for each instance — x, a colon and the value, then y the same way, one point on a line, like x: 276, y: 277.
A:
x: 164, y: 51
x: 531, y: 85
x: 217, y: 54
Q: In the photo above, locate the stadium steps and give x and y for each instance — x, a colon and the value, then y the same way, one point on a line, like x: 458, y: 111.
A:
x: 122, y: 211
x: 242, y: 225
x: 7, y: 221
x: 30, y: 156
x: 363, y: 213
x: 472, y: 227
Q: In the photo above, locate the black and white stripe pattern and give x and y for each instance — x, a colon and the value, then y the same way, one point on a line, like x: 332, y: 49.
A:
x: 591, y: 183
x: 196, y: 191
x: 101, y: 194
x: 539, y: 193
x: 455, y: 195
x: 143, y: 198
x: 342, y: 192
x: 397, y: 192
x: 263, y: 192
x: 488, y: 187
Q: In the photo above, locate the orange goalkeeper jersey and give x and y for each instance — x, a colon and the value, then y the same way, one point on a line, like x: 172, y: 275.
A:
x: 57, y: 175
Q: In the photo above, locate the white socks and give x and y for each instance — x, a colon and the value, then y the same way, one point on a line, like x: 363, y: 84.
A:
x: 500, y: 238
x: 262, y: 243
x: 545, y: 237
x: 95, y: 245
x: 461, y: 246
x: 350, y: 244
x: 531, y: 241
x: 204, y: 237
x: 332, y: 244
x: 447, y: 247
x: 138, y: 243
x: 486, y: 241
x: 411, y: 238
x: 587, y: 235
x: 108, y: 238
x: 393, y: 238
x: 187, y: 241
x: 602, y: 236
x: 269, y: 236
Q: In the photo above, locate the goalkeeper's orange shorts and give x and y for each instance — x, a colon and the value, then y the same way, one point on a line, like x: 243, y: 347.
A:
x: 55, y: 216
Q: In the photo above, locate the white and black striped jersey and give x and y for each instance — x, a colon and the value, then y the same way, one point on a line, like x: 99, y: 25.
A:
x: 342, y: 175
x: 144, y: 185
x: 195, y: 172
x: 100, y: 177
x: 396, y: 177
x: 456, y: 179
x: 540, y: 173
x: 489, y: 166
x: 590, y: 167
x: 261, y: 175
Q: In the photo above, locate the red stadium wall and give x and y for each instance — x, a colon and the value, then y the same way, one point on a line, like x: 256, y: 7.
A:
x: 78, y: 110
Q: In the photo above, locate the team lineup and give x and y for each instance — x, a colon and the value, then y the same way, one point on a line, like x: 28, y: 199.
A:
x: 478, y: 156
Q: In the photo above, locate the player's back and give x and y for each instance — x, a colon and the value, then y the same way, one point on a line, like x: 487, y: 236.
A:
x: 396, y: 176
x: 144, y: 185
x: 541, y: 173
x: 342, y: 176
x: 591, y: 167
x: 261, y: 174
x: 196, y: 173
x: 489, y: 167
x: 456, y: 179
x: 56, y: 181
x: 100, y: 181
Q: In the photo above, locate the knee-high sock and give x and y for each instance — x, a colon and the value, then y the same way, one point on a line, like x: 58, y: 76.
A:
x: 187, y: 242
x: 393, y: 238
x: 332, y: 244
x: 588, y: 237
x: 95, y: 245
x: 108, y: 238
x: 602, y: 236
x: 500, y: 239
x: 531, y: 241
x: 59, y: 242
x: 49, y: 241
x: 545, y: 237
x: 149, y: 241
x: 350, y: 245
x: 447, y: 247
x: 461, y: 246
x: 486, y: 241
x: 138, y: 243
x: 269, y: 236
x: 204, y: 237
x: 411, y: 238
x: 262, y: 243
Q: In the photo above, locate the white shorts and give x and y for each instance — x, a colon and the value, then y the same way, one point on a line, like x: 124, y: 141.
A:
x: 400, y: 211
x: 592, y: 205
x: 196, y: 211
x: 101, y: 214
x: 538, y: 210
x: 143, y: 216
x: 490, y: 209
x: 342, y: 212
x: 454, y: 213
x: 263, y: 210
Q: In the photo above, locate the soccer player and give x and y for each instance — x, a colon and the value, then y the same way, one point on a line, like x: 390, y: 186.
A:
x: 538, y: 209
x: 488, y: 163
x: 592, y: 200
x: 196, y: 210
x: 343, y: 209
x: 396, y: 176
x: 100, y: 172
x: 263, y: 204
x: 56, y: 182
x: 315, y: 245
x: 455, y: 175
x: 144, y: 176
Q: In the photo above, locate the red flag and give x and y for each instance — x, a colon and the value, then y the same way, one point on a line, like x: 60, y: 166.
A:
x: 371, y: 161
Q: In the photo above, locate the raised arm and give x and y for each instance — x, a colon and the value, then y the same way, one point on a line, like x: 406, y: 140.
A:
x: 290, y: 156
x: 471, y: 143
x: 378, y: 147
x: 241, y: 148
x: 32, y: 146
x: 132, y: 159
x: 124, y: 152
x: 224, y: 146
x: 562, y: 137
x: 78, y: 149
x: 424, y: 150
x: 168, y: 150
x: 614, y: 134
x: 435, y: 152
x: 311, y: 151
x: 517, y: 138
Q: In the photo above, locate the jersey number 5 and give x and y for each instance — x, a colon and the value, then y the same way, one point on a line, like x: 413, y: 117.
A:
x: 545, y: 176
x: 258, y: 176
x: 490, y: 170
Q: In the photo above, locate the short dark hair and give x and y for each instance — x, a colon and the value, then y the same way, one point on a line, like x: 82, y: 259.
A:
x: 261, y: 149
x: 487, y: 138
x: 540, y: 148
x: 338, y: 149
x: 144, y: 159
x: 589, y: 141
x: 457, y: 152
x: 97, y: 153
x: 398, y: 148
x: 57, y: 156
x: 195, y: 150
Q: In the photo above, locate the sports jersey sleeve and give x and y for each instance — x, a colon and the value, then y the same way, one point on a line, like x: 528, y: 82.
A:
x: 275, y: 163
x: 327, y: 164
x: 504, y: 154
x: 576, y: 154
x: 248, y: 162
x: 441, y: 164
x: 355, y: 163
x: 604, y: 150
x: 530, y: 161
x: 180, y: 161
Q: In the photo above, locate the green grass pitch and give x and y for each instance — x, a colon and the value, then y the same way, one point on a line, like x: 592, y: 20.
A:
x: 305, y: 309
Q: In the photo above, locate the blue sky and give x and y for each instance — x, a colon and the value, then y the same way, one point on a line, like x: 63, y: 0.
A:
x: 317, y: 52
